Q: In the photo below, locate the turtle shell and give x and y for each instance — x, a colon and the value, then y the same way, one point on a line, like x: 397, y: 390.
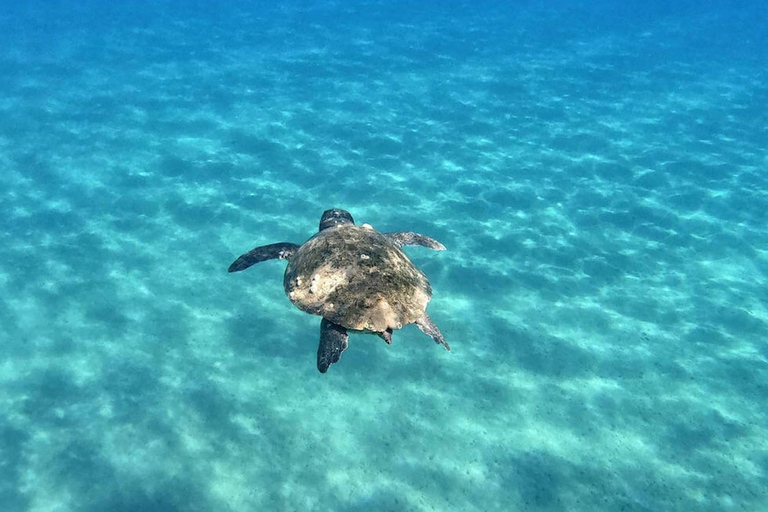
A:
x: 357, y: 278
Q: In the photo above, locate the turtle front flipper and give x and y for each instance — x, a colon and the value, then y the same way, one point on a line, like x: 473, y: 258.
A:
x: 428, y: 327
x: 282, y: 250
x: 333, y: 341
x: 401, y: 238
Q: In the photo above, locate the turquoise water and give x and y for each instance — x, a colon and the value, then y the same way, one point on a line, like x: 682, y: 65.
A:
x: 598, y: 175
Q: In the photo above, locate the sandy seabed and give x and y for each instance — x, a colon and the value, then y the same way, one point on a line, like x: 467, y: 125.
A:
x: 601, y: 190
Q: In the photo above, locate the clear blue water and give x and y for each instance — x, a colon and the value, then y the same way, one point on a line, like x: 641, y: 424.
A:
x: 597, y: 172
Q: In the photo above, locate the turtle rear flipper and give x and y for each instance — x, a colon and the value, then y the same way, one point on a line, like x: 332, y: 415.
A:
x: 281, y: 250
x: 402, y: 238
x: 333, y: 341
x: 386, y: 336
x: 428, y: 327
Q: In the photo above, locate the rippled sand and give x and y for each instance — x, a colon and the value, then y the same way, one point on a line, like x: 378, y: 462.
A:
x: 601, y: 189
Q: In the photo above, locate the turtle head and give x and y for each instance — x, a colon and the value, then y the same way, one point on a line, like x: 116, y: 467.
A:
x: 335, y: 217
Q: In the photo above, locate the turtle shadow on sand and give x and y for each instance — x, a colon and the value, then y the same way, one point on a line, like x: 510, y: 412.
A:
x: 354, y: 277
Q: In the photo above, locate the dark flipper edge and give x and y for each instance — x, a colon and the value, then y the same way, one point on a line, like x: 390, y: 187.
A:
x: 333, y: 341
x: 386, y: 336
x: 282, y: 250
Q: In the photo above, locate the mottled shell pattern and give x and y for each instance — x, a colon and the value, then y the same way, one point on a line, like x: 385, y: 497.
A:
x: 357, y: 278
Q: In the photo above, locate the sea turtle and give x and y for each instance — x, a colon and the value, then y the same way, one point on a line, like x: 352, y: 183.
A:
x: 356, y: 279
